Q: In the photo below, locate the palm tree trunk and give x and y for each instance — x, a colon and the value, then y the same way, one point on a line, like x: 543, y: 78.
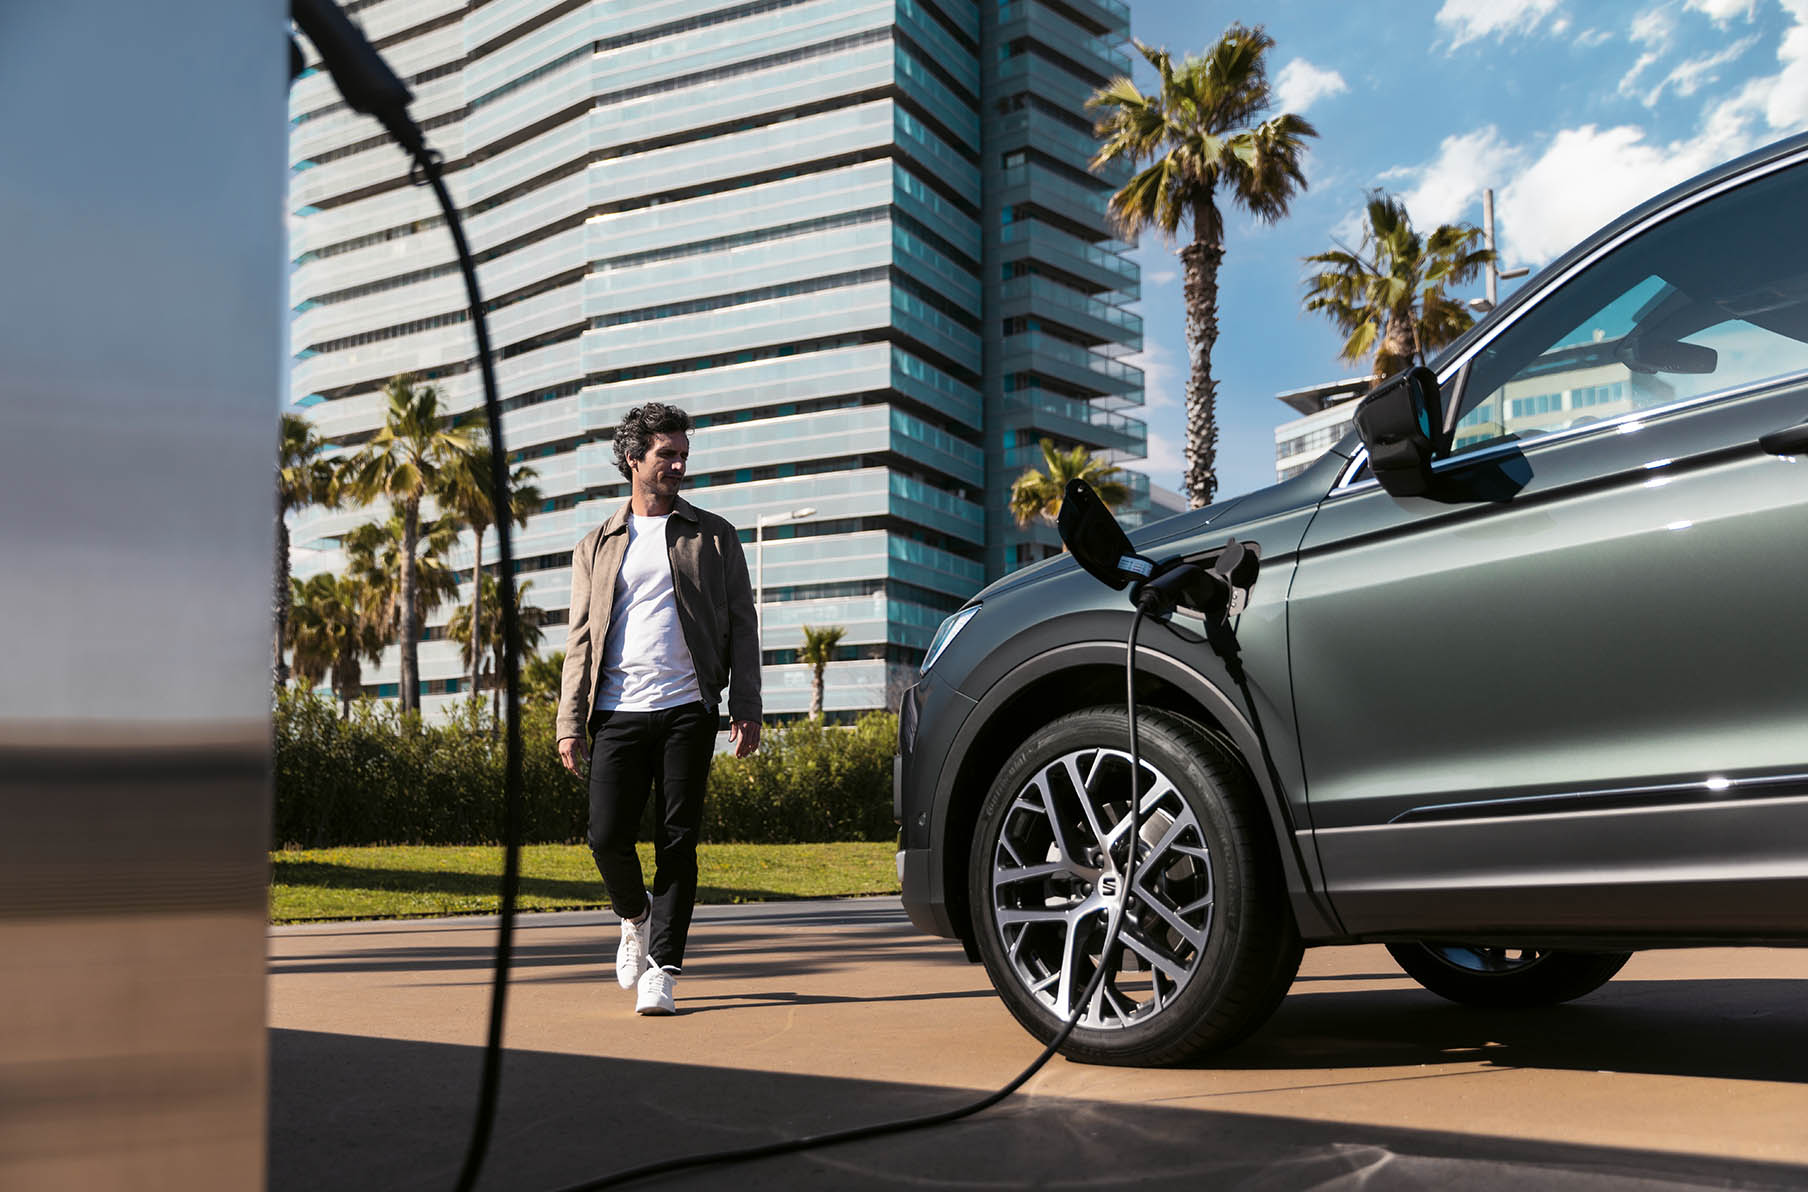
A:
x: 1397, y: 345
x: 411, y: 617
x: 1200, y: 261
x: 816, y: 692
x: 279, y: 670
x: 476, y: 611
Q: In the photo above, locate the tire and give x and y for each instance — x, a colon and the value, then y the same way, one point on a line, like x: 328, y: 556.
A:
x: 1506, y: 978
x: 1210, y: 946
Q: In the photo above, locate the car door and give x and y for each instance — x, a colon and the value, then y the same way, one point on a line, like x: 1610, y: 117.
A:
x: 1567, y: 692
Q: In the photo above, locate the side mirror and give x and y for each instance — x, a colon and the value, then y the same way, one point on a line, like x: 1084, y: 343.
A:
x: 1095, y: 540
x: 1400, y: 423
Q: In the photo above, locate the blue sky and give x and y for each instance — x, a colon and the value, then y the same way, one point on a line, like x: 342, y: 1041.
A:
x: 1572, y: 110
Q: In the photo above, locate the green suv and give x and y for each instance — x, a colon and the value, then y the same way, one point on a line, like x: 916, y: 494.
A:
x: 1522, y: 685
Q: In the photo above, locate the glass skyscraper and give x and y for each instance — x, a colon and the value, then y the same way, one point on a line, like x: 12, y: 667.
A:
x: 856, y: 239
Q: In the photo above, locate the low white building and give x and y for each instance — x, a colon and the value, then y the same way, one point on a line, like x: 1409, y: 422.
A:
x: 1325, y: 410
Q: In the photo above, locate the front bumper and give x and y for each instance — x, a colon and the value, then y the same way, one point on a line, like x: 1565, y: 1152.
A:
x: 929, y: 719
x: 923, y: 901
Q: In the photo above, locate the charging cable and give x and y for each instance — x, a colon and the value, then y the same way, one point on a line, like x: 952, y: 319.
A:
x: 369, y: 86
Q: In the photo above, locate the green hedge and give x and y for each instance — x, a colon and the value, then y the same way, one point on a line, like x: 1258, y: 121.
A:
x: 375, y: 779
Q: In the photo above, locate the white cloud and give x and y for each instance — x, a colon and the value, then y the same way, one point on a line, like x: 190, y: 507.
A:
x: 1471, y: 20
x: 1768, y: 106
x: 1786, y: 106
x: 1160, y: 277
x: 1691, y: 76
x: 1466, y: 164
x: 1723, y: 10
x: 1584, y: 178
x: 1629, y: 80
x: 1589, y: 38
x: 1654, y: 27
x: 1301, y: 84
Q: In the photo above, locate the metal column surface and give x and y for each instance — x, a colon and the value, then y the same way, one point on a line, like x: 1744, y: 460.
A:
x: 142, y: 337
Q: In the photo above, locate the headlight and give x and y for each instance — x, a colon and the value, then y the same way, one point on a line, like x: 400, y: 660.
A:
x: 945, y: 634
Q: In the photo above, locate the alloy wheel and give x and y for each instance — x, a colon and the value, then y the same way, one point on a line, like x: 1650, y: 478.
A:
x: 1056, y: 886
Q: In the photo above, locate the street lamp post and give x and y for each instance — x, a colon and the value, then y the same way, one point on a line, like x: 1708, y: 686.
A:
x: 1495, y: 275
x: 759, y: 559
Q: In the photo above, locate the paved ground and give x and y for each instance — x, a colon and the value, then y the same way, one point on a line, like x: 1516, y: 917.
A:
x: 1689, y: 1070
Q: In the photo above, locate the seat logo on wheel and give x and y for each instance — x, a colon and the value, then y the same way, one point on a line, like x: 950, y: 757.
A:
x: 1108, y: 885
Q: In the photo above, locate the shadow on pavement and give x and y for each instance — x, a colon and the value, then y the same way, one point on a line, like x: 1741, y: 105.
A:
x: 360, y: 1113
x: 1745, y: 1029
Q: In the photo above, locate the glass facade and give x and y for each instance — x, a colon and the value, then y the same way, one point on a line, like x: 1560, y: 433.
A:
x: 856, y: 239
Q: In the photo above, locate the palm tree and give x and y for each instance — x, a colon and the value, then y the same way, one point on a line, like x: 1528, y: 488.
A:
x: 819, y: 651
x: 1195, y: 131
x: 373, y: 555
x: 334, y: 627
x: 1038, y: 494
x: 488, y: 618
x: 466, y: 494
x: 1388, y: 297
x: 303, y: 478
x: 404, y: 462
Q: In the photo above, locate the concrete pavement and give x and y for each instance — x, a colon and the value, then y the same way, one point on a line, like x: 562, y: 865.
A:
x: 1689, y: 1070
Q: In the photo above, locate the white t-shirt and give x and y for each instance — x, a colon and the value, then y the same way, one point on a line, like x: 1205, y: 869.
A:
x: 646, y: 663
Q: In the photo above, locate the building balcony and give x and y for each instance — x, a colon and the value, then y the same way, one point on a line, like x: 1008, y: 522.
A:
x: 1035, y: 352
x: 1040, y: 413
x: 1099, y: 321
x: 1109, y: 270
x: 1100, y: 53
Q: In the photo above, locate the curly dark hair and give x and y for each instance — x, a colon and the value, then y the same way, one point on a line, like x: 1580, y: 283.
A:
x: 634, y: 434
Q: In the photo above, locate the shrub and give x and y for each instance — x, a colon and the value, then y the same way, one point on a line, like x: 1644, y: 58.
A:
x: 380, y: 778
x: 807, y: 783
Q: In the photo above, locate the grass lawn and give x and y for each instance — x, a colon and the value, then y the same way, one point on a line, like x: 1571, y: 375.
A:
x: 405, y: 880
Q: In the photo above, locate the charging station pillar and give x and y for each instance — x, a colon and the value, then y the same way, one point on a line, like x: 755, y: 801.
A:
x: 142, y: 316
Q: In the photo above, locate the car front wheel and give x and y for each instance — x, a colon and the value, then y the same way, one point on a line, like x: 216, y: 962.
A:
x: 1208, y: 946
x: 1506, y: 978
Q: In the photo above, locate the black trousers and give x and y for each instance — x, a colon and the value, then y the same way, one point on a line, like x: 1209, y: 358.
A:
x: 666, y: 753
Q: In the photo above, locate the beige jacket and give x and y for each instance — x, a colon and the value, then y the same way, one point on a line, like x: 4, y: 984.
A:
x: 715, y: 611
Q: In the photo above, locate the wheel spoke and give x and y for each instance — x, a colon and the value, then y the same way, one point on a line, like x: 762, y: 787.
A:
x: 1163, y: 963
x: 1150, y: 800
x: 1008, y: 916
x: 1048, y: 811
x: 1026, y: 873
x: 1193, y: 935
x: 1064, y: 993
x: 1084, y: 788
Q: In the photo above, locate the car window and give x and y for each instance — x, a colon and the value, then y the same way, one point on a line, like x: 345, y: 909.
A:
x: 1714, y: 298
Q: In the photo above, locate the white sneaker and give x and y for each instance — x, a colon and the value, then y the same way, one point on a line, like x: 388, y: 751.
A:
x: 631, y: 953
x: 656, y: 991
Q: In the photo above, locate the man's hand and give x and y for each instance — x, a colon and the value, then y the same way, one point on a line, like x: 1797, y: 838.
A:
x: 744, y: 735
x: 571, y: 752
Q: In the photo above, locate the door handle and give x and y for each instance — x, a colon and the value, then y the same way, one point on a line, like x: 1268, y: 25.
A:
x: 1791, y: 440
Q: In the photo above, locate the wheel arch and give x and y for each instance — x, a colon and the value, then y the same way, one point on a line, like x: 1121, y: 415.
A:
x: 1088, y: 674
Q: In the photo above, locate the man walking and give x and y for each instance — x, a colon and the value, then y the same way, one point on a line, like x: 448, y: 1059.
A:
x: 662, y: 618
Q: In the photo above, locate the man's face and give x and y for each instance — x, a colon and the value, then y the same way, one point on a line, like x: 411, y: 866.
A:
x: 661, y: 469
